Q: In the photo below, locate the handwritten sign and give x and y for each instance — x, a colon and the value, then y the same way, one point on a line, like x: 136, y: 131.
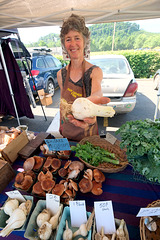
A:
x: 104, y: 217
x: 17, y: 195
x: 78, y: 213
x: 58, y: 144
x: 148, y: 212
x: 52, y: 202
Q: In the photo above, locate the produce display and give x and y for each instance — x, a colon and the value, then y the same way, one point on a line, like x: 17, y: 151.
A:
x: 17, y: 214
x: 7, y: 135
x: 141, y: 139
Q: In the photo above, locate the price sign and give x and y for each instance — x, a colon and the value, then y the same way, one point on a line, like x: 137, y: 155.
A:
x: 60, y: 144
x: 52, y: 202
x: 16, y: 194
x: 78, y: 213
x: 148, y: 212
x: 104, y: 217
x: 110, y: 138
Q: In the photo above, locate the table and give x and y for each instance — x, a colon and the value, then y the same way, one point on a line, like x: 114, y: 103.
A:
x: 126, y: 190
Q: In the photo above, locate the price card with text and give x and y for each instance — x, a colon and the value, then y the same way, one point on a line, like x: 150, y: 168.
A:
x: 104, y: 217
x: 16, y: 194
x: 78, y: 213
x: 59, y: 144
x: 148, y: 212
x: 52, y: 202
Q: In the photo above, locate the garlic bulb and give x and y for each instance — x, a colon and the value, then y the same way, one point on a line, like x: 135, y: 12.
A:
x: 81, y: 231
x: 67, y: 234
x: 26, y: 206
x: 16, y: 220
x: 54, y: 219
x: 43, y: 217
x: 84, y: 108
x: 10, y: 206
x: 45, y: 231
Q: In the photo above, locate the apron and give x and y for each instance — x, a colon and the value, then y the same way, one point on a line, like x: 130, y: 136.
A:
x: 70, y: 92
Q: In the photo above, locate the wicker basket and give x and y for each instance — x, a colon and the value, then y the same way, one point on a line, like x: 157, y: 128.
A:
x: 113, y: 148
x: 145, y: 233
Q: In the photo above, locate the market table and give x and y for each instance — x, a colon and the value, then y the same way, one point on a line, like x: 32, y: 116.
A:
x: 128, y: 192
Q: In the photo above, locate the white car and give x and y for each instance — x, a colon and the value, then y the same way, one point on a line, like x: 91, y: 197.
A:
x: 118, y: 82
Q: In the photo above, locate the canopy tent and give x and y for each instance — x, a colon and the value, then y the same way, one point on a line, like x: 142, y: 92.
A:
x: 33, y: 13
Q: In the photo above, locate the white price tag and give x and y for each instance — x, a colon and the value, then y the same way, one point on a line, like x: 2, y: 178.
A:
x: 110, y: 138
x: 104, y: 217
x: 78, y: 213
x: 16, y: 194
x: 52, y: 202
x: 148, y: 212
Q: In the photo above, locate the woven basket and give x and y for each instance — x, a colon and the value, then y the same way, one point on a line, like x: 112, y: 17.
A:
x: 113, y: 148
x: 145, y: 233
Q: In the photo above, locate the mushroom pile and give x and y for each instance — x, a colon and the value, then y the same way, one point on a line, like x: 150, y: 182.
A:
x: 45, y: 150
x: 33, y: 163
x: 44, y: 184
x: 66, y: 189
x: 64, y: 154
x: 71, y: 169
x: 7, y: 135
x: 92, y: 182
x: 51, y: 164
x: 24, y: 180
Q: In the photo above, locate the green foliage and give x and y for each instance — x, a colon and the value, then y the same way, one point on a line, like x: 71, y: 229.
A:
x: 141, y: 138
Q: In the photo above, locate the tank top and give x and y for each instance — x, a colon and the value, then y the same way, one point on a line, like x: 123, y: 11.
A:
x: 70, y: 92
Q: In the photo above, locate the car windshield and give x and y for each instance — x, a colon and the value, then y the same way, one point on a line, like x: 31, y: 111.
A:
x: 112, y: 65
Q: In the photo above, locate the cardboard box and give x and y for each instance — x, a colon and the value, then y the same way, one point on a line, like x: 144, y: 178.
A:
x: 10, y: 152
x: 6, y: 174
x: 46, y: 99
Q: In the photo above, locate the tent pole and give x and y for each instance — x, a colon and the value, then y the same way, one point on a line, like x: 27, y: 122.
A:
x: 9, y: 83
x: 157, y: 106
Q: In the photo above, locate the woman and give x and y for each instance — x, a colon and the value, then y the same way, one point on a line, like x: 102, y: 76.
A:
x: 78, y: 79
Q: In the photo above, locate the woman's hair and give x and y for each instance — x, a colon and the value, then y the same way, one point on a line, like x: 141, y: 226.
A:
x: 75, y: 23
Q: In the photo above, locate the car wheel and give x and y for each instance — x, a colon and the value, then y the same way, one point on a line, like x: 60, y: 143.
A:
x: 156, y: 82
x: 50, y: 87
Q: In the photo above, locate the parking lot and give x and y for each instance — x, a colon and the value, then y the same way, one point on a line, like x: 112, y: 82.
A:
x: 145, y: 108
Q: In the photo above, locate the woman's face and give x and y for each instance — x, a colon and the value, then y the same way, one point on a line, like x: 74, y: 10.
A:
x: 74, y: 44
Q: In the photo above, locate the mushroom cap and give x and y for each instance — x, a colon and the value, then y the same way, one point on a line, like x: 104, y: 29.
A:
x: 58, y: 189
x: 47, y: 163
x: 69, y: 192
x: 47, y: 184
x: 48, y: 175
x: 41, y: 176
x: 74, y: 185
x: 27, y: 182
x: 31, y: 173
x: 62, y: 172
x: 29, y: 164
x: 98, y: 175
x: 37, y: 188
x: 38, y: 162
x: 56, y: 163
x: 19, y: 177
x: 76, y: 165
x: 66, y: 165
x: 97, y: 188
x: 73, y: 173
x: 85, y: 185
x: 64, y: 154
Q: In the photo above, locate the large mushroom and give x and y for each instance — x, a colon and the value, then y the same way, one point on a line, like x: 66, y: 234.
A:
x: 98, y: 175
x: 56, y: 164
x: 58, y: 189
x: 47, y: 184
x: 29, y: 164
x: 37, y: 189
x: 38, y: 162
x: 97, y: 188
x: 76, y: 165
x: 85, y: 185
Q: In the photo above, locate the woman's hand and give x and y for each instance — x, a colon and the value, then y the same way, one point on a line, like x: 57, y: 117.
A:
x: 85, y: 123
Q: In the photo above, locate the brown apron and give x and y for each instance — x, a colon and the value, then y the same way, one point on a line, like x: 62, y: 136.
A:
x: 69, y: 93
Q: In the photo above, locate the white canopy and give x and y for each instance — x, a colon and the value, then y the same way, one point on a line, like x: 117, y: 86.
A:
x: 34, y: 13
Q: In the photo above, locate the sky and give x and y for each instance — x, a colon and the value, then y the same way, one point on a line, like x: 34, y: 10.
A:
x: 29, y: 35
